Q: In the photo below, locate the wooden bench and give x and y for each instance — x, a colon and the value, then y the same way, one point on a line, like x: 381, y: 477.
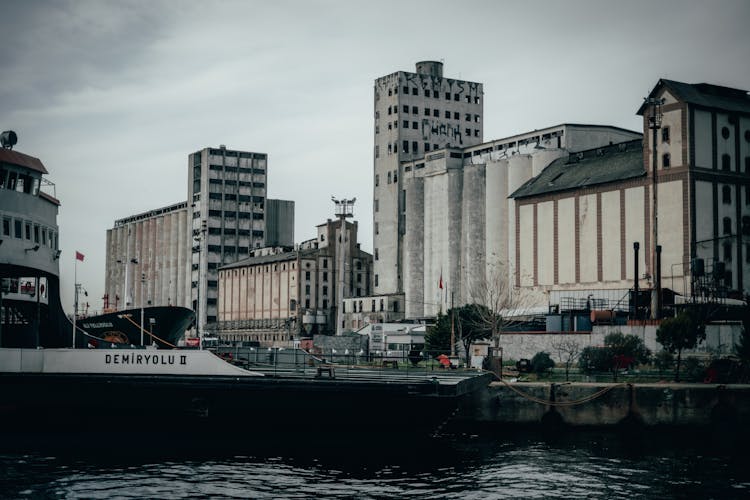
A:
x: 391, y: 363
x: 326, y: 369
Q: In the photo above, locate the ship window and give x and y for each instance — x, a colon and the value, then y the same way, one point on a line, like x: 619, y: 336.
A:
x: 27, y: 227
x: 11, y: 184
x: 3, y: 175
x: 17, y: 227
x: 44, y: 236
x: 36, y: 233
x: 6, y: 227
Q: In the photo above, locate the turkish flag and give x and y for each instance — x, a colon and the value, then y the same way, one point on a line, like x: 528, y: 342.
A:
x: 79, y: 256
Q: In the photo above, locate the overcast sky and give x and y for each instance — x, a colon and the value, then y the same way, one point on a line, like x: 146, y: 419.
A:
x: 113, y: 96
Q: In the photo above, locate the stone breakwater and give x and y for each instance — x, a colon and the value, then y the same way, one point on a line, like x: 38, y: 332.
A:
x: 602, y: 405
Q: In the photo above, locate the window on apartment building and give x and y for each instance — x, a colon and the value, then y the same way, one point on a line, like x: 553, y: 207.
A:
x: 390, y: 125
x: 376, y: 280
x: 390, y: 92
x: 665, y: 134
x: 727, y: 253
x: 325, y: 303
x: 476, y: 118
x: 726, y: 162
x: 325, y: 275
x: 426, y: 147
x: 447, y: 96
x: 376, y: 254
x: 406, y: 89
x: 377, y: 180
x: 372, y: 305
x: 435, y: 113
x: 414, y: 110
x: 406, y: 109
x: 435, y: 147
x: 395, y: 124
x: 725, y: 132
x: 726, y: 223
x: 726, y: 195
x: 377, y: 205
x: 377, y: 115
x: 476, y: 132
x: 447, y: 114
x: 389, y: 110
x: 377, y: 129
x: 395, y: 176
x: 414, y: 147
x: 405, y: 149
x: 456, y: 115
x: 427, y: 111
x: 468, y: 132
x: 406, y: 123
x: 307, y: 289
x: 307, y: 303
x: 467, y: 117
x: 468, y: 99
x: 427, y: 93
x: 359, y: 278
x: 325, y: 290
x: 377, y: 230
x: 414, y: 91
x: 382, y: 305
x: 665, y: 160
x: 456, y: 97
x: 395, y: 148
x: 325, y: 263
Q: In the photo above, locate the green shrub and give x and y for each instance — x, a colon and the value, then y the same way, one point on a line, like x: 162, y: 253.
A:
x: 541, y: 362
x: 694, y: 370
x: 596, y: 359
x: 663, y: 361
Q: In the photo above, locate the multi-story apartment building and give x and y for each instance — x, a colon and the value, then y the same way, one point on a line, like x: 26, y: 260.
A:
x: 227, y: 196
x: 415, y: 113
x: 280, y: 294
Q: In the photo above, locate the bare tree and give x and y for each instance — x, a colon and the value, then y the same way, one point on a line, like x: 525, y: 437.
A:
x: 568, y: 351
x: 500, y: 300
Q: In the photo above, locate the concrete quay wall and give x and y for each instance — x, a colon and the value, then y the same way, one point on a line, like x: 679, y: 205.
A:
x: 649, y: 405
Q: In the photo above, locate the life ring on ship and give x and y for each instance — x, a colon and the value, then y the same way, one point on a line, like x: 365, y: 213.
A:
x: 116, y: 337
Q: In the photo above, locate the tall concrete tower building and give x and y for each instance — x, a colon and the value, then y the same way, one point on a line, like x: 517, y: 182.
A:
x: 415, y: 114
x: 227, y: 199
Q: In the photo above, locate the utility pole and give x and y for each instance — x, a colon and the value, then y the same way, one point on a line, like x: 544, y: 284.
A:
x: 344, y: 209
x: 654, y: 123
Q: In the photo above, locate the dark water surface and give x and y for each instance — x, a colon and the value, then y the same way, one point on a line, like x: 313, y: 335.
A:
x: 453, y: 465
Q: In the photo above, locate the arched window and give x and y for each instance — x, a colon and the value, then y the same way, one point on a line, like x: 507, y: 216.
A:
x: 727, y: 225
x: 726, y: 195
x: 726, y: 162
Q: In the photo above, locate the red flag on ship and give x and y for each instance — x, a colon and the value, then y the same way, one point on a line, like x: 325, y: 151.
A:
x: 79, y: 256
x: 440, y: 285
